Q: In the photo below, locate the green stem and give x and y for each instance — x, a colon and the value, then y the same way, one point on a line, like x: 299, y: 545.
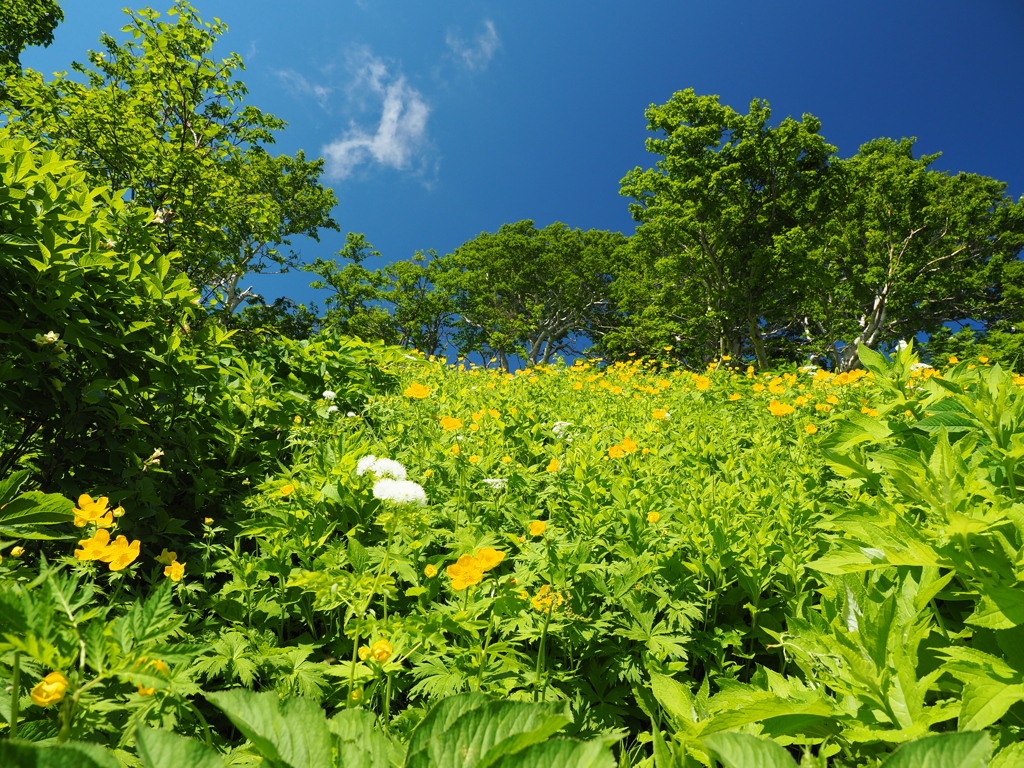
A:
x: 541, y: 660
x: 15, y: 694
x: 483, y: 652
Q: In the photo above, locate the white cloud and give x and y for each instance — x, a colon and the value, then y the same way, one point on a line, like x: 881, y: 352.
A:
x: 298, y: 85
x: 478, y: 54
x: 398, y: 131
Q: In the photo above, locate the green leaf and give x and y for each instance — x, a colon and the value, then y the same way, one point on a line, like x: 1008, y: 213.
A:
x: 359, y: 744
x: 1000, y: 608
x: 985, y: 701
x: 741, y: 750
x: 293, y: 732
x: 165, y: 749
x: 1010, y: 757
x: 471, y: 730
x: 947, y: 750
x: 563, y: 753
x: 10, y: 486
x: 36, y: 508
x: 675, y: 698
x: 69, y: 755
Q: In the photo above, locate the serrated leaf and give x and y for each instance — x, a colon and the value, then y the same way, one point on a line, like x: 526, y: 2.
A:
x: 947, y: 750
x: 69, y: 755
x: 36, y: 508
x: 165, y: 749
x: 741, y: 750
x: 985, y: 701
x: 1000, y: 608
x: 293, y: 731
x: 563, y: 753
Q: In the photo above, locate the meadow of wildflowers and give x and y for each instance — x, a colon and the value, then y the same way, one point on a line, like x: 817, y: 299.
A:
x: 674, y: 560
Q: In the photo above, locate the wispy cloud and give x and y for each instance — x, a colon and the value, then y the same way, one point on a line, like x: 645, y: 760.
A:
x: 478, y: 53
x: 396, y: 133
x: 300, y: 86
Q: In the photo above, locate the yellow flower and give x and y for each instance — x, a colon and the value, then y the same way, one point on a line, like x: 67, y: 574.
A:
x: 450, y: 424
x: 983, y: 360
x: 417, y: 391
x: 456, y: 450
x: 553, y: 465
x: 297, y: 419
x: 758, y: 387
x: 144, y: 691
x: 869, y: 411
x: 175, y: 571
x: 464, y: 573
x: 208, y: 520
x: 616, y: 452
x: 810, y: 429
x: 430, y: 571
x: 702, y: 383
x: 628, y: 445
x: 488, y: 558
x: 822, y: 407
x: 17, y: 551
x: 428, y: 472
x: 545, y: 599
x: 380, y: 651
x: 953, y: 359
x: 537, y: 527
x: 506, y: 459
x: 50, y: 690
x: 89, y: 511
x: 653, y: 517
x: 474, y: 459
x: 734, y: 397
x: 832, y: 399
x: 364, y: 653
x: 287, y: 489
x: 780, y: 409
x: 166, y: 558
x: 659, y: 413
x: 356, y: 695
x: 94, y: 548
x: 120, y: 553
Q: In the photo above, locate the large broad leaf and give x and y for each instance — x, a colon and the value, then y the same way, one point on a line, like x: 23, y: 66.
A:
x: 440, y: 719
x: 1010, y: 757
x: 35, y: 508
x: 947, y: 750
x: 164, y: 749
x: 675, y: 699
x: 480, y: 736
x: 1000, y: 608
x: 741, y: 750
x: 359, y: 745
x: 985, y: 701
x: 11, y: 484
x: 70, y: 755
x: 563, y: 753
x: 292, y: 732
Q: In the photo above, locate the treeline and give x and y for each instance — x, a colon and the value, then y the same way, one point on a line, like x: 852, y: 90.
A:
x: 753, y: 240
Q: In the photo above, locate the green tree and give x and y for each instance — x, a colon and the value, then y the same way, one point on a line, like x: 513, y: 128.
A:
x: 531, y: 292
x: 399, y: 304
x: 24, y: 23
x: 727, y: 189
x: 159, y: 118
x: 910, y: 249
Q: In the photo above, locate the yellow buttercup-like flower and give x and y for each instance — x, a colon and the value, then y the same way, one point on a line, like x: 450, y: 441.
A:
x: 780, y: 409
x: 287, y: 489
x: 553, y: 465
x: 430, y: 571
x: 166, y: 558
x: 450, y: 424
x: 810, y: 429
x: 120, y: 553
x: 537, y: 528
x: 653, y: 517
x: 417, y: 391
x: 380, y: 651
x: 96, y: 512
x: 94, y: 548
x: 50, y: 690
x: 175, y: 571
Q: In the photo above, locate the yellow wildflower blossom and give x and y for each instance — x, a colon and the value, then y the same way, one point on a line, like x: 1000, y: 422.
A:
x: 50, y: 690
x: 417, y: 391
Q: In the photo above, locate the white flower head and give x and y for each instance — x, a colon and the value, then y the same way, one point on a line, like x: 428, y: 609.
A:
x: 332, y: 408
x: 380, y: 467
x: 919, y: 366
x: 809, y: 369
x: 329, y: 395
x: 351, y: 414
x: 559, y: 427
x: 497, y: 483
x: 901, y: 345
x: 48, y: 338
x: 399, y: 491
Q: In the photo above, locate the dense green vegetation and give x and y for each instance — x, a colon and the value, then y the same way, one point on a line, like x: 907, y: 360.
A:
x: 235, y: 534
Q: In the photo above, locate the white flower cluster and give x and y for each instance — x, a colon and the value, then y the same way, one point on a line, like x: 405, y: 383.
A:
x: 381, y: 468
x: 919, y: 366
x: 399, y: 491
x: 329, y: 395
x: 497, y: 483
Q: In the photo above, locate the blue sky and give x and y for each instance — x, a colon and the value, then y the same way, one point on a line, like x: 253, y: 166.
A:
x: 443, y: 119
